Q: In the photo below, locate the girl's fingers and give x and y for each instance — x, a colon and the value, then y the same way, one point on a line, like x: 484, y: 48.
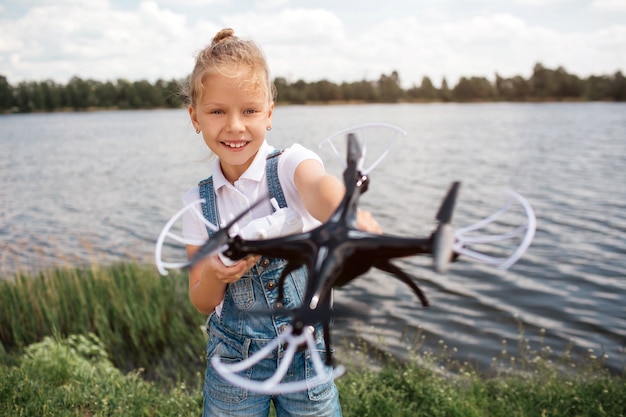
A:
x: 366, y: 222
x: 230, y: 274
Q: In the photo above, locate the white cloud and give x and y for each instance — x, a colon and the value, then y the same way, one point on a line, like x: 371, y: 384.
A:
x: 534, y: 3
x: 182, y: 4
x: 271, y: 4
x: 289, y: 26
x: 94, y: 40
x: 609, y: 5
x: 151, y: 39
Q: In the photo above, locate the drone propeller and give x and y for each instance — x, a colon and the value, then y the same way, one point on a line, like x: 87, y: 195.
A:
x: 444, y: 215
x: 443, y: 237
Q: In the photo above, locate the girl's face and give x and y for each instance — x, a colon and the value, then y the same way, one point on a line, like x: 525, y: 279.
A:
x: 233, y: 115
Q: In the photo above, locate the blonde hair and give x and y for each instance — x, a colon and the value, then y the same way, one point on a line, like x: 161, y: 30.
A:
x: 228, y: 55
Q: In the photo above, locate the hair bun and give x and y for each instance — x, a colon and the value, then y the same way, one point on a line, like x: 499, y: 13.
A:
x: 223, y: 35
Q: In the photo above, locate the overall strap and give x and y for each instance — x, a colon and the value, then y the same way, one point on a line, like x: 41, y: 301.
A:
x: 209, y: 207
x: 273, y: 182
x: 207, y: 192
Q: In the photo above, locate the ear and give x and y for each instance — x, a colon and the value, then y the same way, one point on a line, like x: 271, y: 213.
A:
x: 194, y: 117
x: 269, y: 114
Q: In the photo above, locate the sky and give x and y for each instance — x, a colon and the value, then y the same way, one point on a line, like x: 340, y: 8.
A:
x: 334, y: 40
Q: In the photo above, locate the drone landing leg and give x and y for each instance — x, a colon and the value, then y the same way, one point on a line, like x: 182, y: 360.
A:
x: 290, y: 267
x: 402, y: 276
x: 327, y: 341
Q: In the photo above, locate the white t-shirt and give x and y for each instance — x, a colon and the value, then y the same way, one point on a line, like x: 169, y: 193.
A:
x: 233, y: 199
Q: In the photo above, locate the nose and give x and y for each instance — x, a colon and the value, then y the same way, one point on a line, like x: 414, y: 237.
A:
x: 235, y: 123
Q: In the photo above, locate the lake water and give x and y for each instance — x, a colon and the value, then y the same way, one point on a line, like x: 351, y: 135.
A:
x: 98, y: 187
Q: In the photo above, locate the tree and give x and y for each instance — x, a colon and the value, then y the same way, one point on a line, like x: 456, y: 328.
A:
x: 617, y: 87
x: 281, y: 88
x: 389, y: 88
x: 6, y: 94
x: 444, y: 92
x: 78, y: 93
x: 474, y: 88
x: 170, y: 93
x: 107, y: 94
x: 427, y: 89
x: 361, y: 91
x: 596, y: 88
x: 23, y: 98
x: 125, y: 97
x: 543, y: 83
x: 568, y: 85
x: 512, y: 89
x: 324, y: 91
x: 146, y: 95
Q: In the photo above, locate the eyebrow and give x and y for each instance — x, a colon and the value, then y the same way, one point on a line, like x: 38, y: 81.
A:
x: 259, y: 103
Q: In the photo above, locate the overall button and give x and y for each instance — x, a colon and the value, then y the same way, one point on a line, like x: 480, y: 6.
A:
x: 265, y: 263
x: 278, y: 304
x: 270, y: 285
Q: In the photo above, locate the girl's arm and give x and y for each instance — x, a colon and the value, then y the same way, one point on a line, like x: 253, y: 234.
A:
x: 321, y: 194
x: 208, y: 279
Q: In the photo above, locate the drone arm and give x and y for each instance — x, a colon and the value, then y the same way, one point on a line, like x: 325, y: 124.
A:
x: 388, y: 246
x: 292, y: 248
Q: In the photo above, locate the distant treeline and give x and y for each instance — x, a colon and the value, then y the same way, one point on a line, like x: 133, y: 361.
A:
x: 544, y: 85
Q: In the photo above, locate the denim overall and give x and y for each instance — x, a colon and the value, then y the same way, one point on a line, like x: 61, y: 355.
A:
x: 236, y: 334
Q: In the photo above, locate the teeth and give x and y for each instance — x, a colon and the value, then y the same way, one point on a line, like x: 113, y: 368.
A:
x: 235, y: 145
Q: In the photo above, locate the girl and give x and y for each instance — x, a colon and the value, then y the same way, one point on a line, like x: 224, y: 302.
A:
x: 231, y: 105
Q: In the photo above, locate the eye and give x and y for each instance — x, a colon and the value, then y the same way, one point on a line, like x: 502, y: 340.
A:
x: 250, y: 111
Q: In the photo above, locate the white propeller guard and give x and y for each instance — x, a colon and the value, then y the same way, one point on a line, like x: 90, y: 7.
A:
x: 158, y: 251
x: 463, y: 241
x: 273, y: 385
x: 362, y: 129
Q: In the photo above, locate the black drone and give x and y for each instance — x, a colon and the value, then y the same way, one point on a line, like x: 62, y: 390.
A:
x: 334, y: 254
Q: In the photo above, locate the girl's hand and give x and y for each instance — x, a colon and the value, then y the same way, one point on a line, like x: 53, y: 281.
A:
x: 366, y: 222
x: 209, y: 277
x: 230, y: 274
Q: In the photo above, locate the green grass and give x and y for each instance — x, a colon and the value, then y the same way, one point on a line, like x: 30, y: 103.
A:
x: 411, y: 390
x: 145, y: 320
x: 122, y: 340
x: 74, y: 377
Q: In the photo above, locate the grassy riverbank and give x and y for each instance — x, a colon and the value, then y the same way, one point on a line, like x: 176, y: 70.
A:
x: 122, y: 340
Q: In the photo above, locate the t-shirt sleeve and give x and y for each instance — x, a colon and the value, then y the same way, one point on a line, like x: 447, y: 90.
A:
x: 293, y: 156
x: 289, y: 161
